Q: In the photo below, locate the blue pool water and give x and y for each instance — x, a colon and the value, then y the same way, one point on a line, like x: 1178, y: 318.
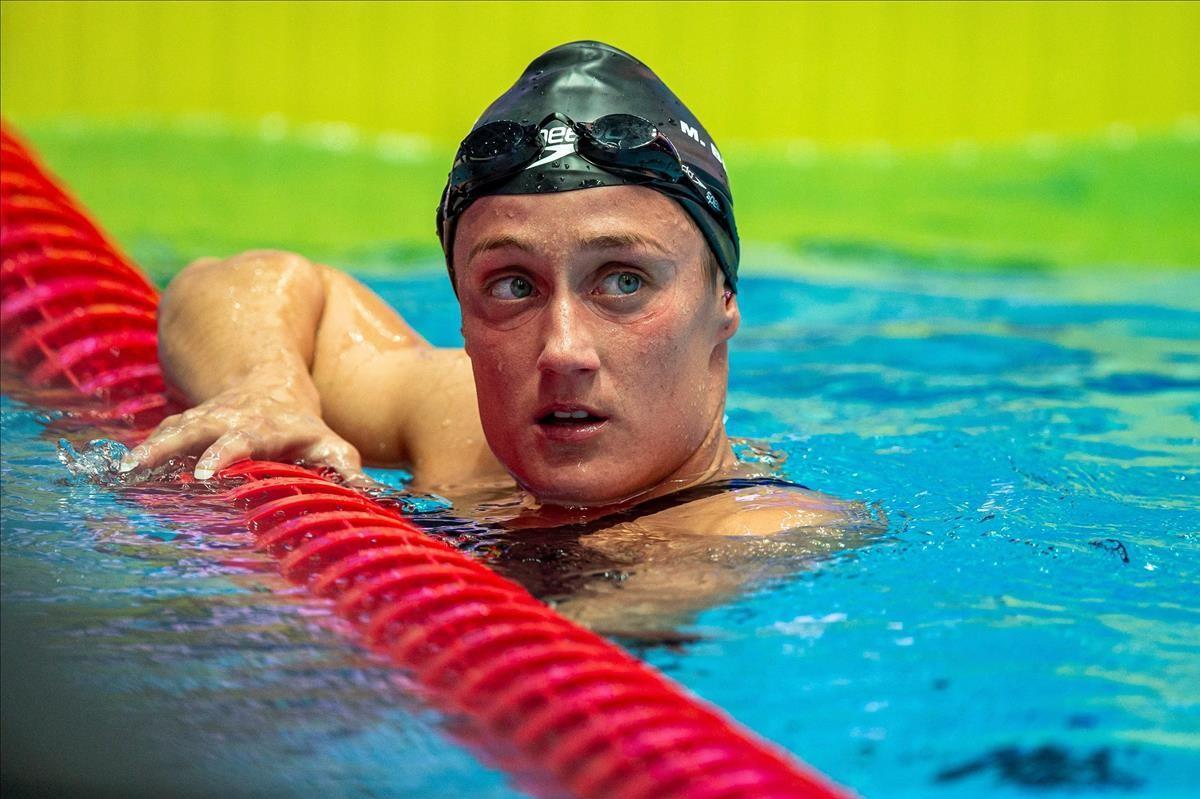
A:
x: 1028, y: 625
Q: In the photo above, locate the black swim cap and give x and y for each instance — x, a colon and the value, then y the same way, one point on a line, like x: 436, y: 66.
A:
x: 585, y: 81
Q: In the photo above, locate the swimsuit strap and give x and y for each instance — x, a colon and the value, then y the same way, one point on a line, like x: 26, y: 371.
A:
x: 700, y: 492
x: 665, y: 502
x: 553, y: 562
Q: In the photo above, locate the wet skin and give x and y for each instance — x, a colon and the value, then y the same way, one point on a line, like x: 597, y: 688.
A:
x: 593, y: 378
x: 599, y: 305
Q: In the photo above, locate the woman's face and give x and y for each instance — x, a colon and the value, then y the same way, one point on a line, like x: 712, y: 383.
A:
x: 597, y: 334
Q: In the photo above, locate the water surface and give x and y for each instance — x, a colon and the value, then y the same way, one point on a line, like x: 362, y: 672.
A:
x: 1027, y: 626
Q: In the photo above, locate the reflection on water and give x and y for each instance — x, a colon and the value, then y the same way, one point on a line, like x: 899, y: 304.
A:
x: 1025, y: 622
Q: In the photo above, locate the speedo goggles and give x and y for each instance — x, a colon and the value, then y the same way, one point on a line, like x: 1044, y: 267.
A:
x: 625, y: 146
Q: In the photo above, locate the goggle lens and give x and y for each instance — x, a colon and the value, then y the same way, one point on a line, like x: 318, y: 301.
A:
x: 496, y: 140
x: 623, y: 131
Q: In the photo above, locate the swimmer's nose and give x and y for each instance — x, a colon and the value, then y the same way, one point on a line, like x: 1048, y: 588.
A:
x: 568, y: 346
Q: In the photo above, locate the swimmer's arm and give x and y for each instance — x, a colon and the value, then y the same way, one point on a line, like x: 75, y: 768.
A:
x: 653, y: 600
x: 399, y: 399
x: 711, y: 551
x: 236, y: 340
x: 286, y: 358
x: 682, y: 578
x: 223, y: 323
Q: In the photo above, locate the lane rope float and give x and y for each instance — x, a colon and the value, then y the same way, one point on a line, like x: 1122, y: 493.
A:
x: 76, y: 314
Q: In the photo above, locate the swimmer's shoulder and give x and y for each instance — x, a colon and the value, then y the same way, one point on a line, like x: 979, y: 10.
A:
x: 755, y: 508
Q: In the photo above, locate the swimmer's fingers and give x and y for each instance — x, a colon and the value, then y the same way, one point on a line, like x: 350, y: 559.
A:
x: 324, y: 449
x: 341, y: 456
x: 230, y: 448
x: 177, y: 435
x: 222, y: 438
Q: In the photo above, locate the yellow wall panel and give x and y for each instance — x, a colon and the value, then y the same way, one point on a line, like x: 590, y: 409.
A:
x: 909, y: 74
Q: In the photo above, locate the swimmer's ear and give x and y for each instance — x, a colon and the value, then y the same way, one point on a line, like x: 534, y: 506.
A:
x: 731, y: 315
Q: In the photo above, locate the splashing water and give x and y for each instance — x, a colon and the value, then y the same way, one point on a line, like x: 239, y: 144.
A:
x: 99, y: 462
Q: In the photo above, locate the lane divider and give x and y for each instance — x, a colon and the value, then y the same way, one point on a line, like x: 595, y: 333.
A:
x: 594, y: 721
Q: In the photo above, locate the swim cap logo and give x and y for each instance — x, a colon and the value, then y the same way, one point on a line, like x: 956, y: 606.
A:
x: 556, y: 135
x: 693, y: 133
x: 559, y: 140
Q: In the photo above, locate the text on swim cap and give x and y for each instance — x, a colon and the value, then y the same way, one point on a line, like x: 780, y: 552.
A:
x: 694, y: 134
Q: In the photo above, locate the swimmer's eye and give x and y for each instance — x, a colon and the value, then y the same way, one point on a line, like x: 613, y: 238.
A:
x: 620, y: 283
x: 513, y: 287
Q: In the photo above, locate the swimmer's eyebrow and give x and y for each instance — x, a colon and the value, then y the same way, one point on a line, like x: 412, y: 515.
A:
x: 614, y: 241
x: 497, y: 243
x: 606, y: 241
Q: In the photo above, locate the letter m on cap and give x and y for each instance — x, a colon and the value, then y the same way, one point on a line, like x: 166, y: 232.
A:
x: 689, y: 130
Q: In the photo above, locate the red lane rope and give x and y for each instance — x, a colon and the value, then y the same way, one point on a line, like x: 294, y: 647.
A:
x: 76, y: 313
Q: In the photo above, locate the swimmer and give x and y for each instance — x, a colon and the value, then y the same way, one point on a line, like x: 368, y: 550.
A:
x: 589, y: 236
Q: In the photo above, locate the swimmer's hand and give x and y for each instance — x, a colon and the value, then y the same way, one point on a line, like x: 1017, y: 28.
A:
x: 252, y: 420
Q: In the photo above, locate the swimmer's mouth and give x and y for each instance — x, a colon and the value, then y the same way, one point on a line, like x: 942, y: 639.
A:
x: 572, y: 416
